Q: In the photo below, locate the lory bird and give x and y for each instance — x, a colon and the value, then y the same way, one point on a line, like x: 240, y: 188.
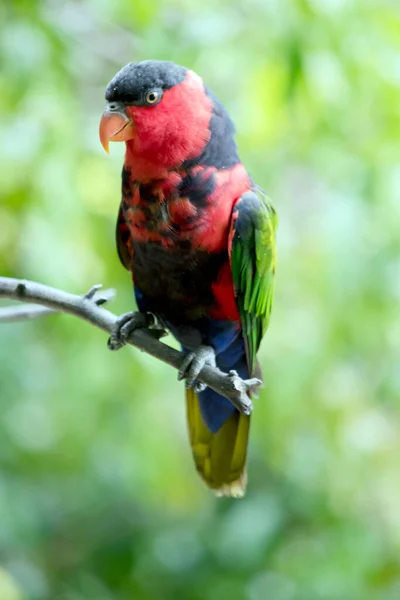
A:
x: 199, y: 239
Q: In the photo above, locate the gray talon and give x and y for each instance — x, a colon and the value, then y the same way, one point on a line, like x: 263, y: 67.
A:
x: 125, y: 325
x: 199, y: 387
x: 193, y: 363
x: 184, y: 365
x: 157, y: 333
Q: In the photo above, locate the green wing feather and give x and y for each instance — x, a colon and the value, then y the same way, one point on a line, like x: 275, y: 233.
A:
x: 253, y: 262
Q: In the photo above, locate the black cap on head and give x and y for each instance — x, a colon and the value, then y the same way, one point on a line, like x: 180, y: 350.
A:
x: 135, y: 79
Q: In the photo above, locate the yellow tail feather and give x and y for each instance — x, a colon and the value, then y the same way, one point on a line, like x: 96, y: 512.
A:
x: 220, y: 457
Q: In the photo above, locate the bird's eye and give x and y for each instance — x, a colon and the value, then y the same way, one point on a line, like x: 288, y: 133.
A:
x: 152, y: 97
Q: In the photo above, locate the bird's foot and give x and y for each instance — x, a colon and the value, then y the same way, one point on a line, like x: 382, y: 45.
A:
x: 127, y: 323
x: 193, y: 363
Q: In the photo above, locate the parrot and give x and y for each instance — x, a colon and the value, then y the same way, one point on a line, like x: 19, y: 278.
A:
x: 198, y: 237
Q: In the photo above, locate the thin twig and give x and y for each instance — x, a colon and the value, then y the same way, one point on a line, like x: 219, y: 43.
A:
x: 12, y: 314
x: 88, y: 307
x: 25, y: 312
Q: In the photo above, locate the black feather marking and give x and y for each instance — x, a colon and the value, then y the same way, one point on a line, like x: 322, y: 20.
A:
x: 147, y: 194
x: 122, y: 235
x: 126, y: 183
x: 221, y: 150
x: 132, y: 82
x: 197, y: 187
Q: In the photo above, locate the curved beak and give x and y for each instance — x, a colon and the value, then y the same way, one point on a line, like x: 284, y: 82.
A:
x: 115, y: 125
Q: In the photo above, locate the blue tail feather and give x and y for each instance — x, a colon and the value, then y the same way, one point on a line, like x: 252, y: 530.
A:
x: 227, y: 340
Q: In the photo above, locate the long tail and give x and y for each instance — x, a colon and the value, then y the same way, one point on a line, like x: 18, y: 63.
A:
x: 220, y: 456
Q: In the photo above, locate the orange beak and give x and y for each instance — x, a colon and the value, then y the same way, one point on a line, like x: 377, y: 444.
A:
x: 115, y: 126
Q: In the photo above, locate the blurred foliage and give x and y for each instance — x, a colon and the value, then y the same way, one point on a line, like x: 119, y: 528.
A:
x: 99, y: 499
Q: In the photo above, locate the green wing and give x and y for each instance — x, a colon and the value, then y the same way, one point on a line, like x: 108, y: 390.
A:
x: 253, y: 261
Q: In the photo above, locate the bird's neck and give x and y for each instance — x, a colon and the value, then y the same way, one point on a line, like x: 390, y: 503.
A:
x: 145, y: 169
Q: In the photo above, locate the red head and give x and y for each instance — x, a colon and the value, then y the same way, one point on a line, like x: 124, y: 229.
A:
x: 165, y: 115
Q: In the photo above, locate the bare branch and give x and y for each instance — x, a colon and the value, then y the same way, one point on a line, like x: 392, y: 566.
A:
x: 25, y: 312
x: 12, y: 314
x: 88, y: 307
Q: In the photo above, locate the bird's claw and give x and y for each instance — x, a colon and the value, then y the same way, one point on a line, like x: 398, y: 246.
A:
x: 125, y: 325
x: 199, y: 387
x: 193, y: 363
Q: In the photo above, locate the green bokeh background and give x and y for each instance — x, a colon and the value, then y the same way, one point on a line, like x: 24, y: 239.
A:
x: 99, y: 499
